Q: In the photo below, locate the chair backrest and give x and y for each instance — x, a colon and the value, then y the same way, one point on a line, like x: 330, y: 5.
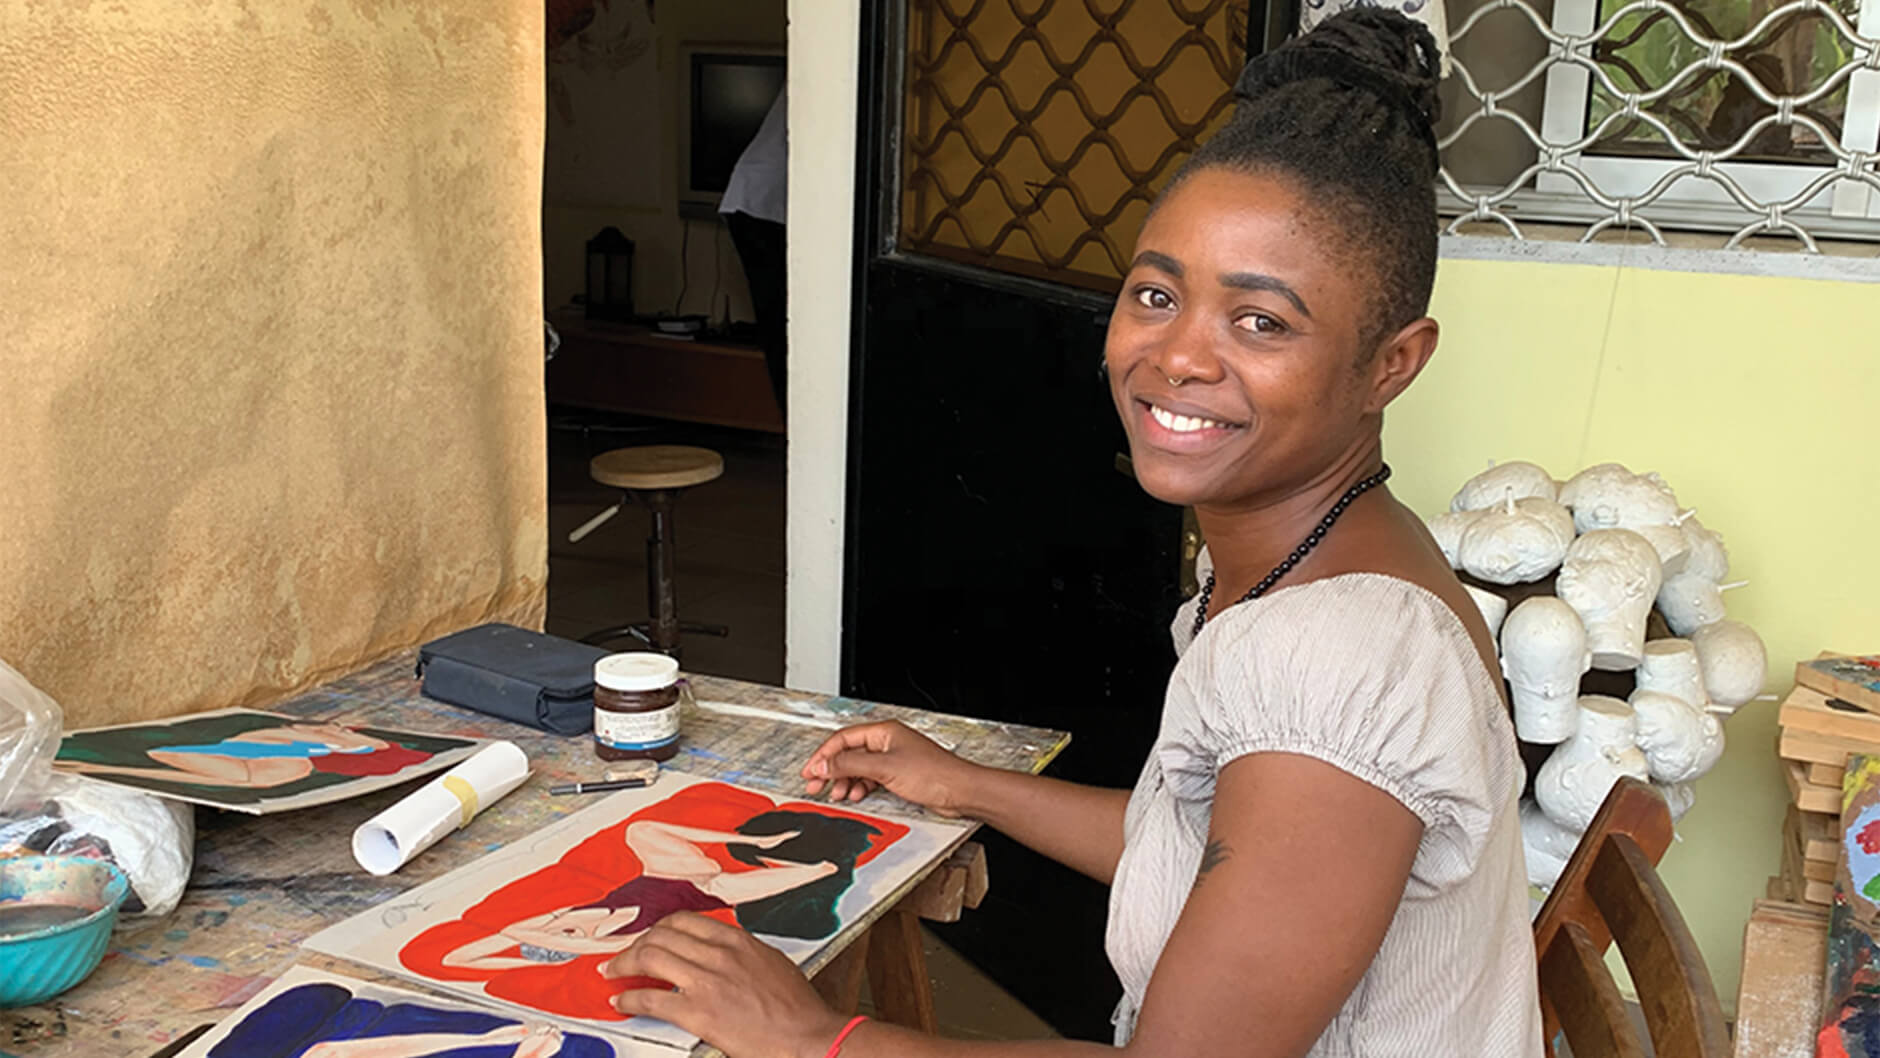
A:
x: 1611, y: 892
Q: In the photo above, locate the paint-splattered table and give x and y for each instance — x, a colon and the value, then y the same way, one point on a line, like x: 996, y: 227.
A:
x: 264, y: 884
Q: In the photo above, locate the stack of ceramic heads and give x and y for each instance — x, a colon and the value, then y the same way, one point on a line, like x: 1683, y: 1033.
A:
x: 1606, y: 599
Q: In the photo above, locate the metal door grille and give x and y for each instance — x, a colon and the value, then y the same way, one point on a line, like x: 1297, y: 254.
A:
x: 1037, y: 134
x: 1724, y: 115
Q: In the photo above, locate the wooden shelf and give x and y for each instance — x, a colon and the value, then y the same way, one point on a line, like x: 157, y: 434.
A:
x: 627, y: 368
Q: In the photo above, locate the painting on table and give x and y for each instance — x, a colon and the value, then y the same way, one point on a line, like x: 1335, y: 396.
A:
x: 311, y: 1013
x: 1851, y: 999
x: 531, y: 925
x: 256, y: 762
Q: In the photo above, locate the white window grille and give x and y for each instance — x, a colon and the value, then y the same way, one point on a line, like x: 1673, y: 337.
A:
x: 1737, y: 116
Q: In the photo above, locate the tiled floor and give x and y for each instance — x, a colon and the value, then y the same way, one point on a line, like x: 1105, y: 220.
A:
x: 731, y: 565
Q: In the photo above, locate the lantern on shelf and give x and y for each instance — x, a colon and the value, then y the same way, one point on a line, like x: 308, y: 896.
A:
x: 610, y: 276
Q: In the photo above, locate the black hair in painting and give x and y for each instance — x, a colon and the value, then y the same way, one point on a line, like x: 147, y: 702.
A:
x: 807, y: 912
x: 1346, y: 112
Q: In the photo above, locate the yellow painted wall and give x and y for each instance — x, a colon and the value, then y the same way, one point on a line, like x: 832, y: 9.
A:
x: 270, y: 340
x: 1755, y: 397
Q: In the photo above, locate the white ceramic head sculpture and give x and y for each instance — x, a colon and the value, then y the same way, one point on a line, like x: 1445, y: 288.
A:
x: 1611, y: 578
x: 1547, y: 845
x: 1709, y: 558
x: 1679, y: 740
x: 1609, y: 496
x: 1516, y: 542
x: 1669, y: 666
x: 1501, y: 481
x: 1733, y: 662
x: 1543, y: 655
x: 1679, y: 797
x: 1494, y: 608
x: 1689, y: 602
x: 1448, y: 528
x: 1674, y: 550
x: 1577, y: 777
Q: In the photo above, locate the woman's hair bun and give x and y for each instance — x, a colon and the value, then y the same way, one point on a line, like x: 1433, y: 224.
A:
x: 1371, y: 48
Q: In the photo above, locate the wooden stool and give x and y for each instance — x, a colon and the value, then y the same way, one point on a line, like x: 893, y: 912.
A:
x: 656, y: 475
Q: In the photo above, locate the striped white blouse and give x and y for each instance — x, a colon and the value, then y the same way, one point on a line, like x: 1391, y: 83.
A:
x: 1376, y: 676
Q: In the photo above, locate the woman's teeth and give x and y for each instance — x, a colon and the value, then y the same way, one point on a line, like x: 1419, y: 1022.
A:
x: 1181, y: 423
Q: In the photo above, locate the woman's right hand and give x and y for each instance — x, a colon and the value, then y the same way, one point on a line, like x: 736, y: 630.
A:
x: 856, y: 760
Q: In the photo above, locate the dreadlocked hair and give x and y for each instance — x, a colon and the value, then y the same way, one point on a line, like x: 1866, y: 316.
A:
x: 1346, y: 111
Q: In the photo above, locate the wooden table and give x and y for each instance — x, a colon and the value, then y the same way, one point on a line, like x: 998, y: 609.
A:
x: 263, y: 884
x: 628, y: 368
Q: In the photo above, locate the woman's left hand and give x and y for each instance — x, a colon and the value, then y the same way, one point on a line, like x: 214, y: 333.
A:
x: 734, y: 991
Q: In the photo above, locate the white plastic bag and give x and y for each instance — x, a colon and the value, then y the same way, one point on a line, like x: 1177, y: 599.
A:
x: 42, y: 812
x: 30, y: 724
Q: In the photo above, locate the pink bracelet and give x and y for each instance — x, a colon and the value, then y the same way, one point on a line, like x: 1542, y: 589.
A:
x: 835, y: 1048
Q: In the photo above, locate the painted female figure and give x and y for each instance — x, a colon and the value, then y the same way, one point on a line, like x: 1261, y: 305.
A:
x: 732, y: 855
x: 677, y: 875
x: 327, y: 1020
x: 267, y: 757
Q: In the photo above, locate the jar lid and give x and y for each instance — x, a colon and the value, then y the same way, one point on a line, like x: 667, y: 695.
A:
x: 639, y: 671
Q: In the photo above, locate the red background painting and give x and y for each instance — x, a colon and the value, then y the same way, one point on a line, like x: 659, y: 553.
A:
x: 585, y: 874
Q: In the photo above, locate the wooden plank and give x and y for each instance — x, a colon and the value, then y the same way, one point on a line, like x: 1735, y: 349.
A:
x: 1817, y: 857
x: 1778, y: 1001
x: 1826, y: 774
x: 957, y: 884
x: 1821, y: 836
x: 1850, y: 679
x: 1810, y: 711
x: 1825, y: 749
x: 839, y: 982
x: 897, y: 972
x: 1806, y: 795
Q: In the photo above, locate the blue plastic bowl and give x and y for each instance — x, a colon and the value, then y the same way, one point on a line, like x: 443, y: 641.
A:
x: 38, y: 962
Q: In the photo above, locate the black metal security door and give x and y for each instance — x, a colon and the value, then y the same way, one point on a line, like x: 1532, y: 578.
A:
x: 1001, y: 561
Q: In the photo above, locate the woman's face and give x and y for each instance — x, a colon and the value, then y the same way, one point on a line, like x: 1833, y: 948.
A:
x: 1237, y: 293
x: 580, y: 930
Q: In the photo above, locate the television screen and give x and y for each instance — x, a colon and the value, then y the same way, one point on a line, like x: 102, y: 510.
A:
x: 730, y: 96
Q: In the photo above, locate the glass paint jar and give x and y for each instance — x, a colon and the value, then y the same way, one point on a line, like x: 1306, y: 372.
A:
x: 636, y: 707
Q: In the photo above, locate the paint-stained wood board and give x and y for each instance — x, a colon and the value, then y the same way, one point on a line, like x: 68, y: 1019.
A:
x: 1778, y: 1000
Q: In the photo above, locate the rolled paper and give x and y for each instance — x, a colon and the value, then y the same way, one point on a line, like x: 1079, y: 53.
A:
x: 392, y: 838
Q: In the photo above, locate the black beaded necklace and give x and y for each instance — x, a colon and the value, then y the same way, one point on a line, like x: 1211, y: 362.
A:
x: 1298, y: 553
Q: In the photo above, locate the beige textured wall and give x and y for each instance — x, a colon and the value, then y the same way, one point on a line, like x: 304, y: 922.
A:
x: 270, y: 340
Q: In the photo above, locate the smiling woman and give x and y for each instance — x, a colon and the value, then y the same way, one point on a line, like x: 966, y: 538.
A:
x: 1322, y: 854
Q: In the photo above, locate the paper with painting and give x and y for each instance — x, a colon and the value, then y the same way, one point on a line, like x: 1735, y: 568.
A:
x: 309, y: 1013
x: 530, y: 926
x: 255, y: 762
x: 1851, y: 984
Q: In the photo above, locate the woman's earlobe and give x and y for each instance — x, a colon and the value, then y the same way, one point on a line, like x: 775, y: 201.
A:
x: 1401, y: 360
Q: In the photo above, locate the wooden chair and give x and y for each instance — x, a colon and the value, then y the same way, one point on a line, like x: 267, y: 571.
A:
x: 1611, y: 891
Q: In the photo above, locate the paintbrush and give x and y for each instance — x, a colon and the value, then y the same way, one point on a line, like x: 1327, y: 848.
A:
x: 598, y: 787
